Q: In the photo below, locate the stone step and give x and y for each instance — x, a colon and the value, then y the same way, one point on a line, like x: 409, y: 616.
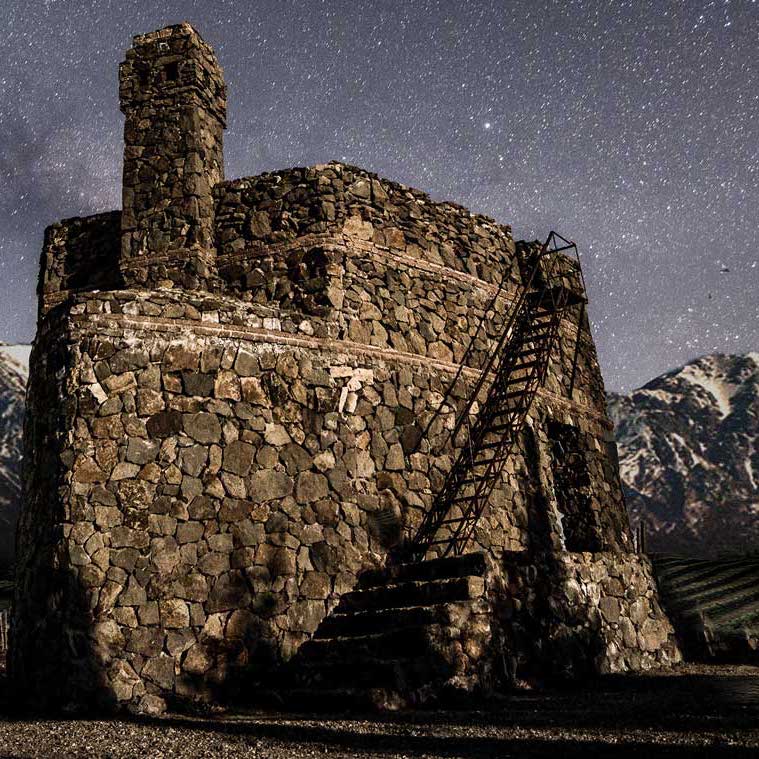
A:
x: 432, y: 569
x: 391, y: 645
x: 394, y: 634
x: 374, y: 621
x: 412, y: 593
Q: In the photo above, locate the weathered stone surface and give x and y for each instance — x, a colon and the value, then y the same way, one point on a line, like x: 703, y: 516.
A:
x: 311, y: 487
x: 190, y: 532
x: 193, y: 459
x: 316, y: 585
x: 160, y: 670
x: 227, y: 385
x: 230, y: 591
x: 267, y: 485
x: 609, y: 608
x: 197, y: 383
x: 246, y: 365
x: 238, y: 457
x: 141, y: 451
x: 203, y: 427
x: 149, y: 402
x: 276, y: 435
x: 164, y: 423
x: 395, y: 460
x: 191, y: 587
x: 197, y: 661
x: 305, y: 616
x: 174, y: 613
x: 87, y: 471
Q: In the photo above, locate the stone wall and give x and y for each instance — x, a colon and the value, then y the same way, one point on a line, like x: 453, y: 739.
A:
x: 217, y: 474
x: 575, y: 615
x: 79, y: 254
x: 224, y: 459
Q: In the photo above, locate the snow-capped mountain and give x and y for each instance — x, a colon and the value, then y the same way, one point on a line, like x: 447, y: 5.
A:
x: 14, y: 362
x: 689, y: 455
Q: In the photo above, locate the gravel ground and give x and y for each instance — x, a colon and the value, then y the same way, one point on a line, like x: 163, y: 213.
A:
x: 694, y: 712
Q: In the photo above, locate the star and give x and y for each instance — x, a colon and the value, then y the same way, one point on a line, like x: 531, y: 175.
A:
x: 635, y: 136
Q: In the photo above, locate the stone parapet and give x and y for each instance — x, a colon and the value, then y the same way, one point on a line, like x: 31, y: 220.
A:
x: 79, y: 254
x: 280, y: 206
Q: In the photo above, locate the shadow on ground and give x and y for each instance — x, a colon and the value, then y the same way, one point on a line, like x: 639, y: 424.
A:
x: 689, y: 714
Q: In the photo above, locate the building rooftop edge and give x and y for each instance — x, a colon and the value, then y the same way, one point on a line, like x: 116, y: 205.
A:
x: 419, y: 195
x: 182, y: 29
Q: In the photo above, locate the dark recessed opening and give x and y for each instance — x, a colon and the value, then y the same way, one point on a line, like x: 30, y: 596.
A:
x: 572, y: 487
x: 143, y: 74
x: 172, y: 71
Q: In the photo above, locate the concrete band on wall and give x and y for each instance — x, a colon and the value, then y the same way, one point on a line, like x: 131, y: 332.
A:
x: 349, y: 305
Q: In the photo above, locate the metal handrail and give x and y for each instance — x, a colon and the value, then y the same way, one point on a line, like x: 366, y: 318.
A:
x: 516, y: 307
x: 519, y: 316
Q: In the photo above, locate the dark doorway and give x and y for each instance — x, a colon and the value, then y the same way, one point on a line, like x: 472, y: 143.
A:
x: 571, y: 482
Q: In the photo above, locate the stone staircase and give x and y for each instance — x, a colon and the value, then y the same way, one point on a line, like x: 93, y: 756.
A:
x: 407, y: 635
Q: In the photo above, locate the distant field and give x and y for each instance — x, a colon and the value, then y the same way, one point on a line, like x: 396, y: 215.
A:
x: 714, y: 605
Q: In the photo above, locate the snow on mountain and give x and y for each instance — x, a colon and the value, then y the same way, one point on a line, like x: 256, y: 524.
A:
x: 689, y: 455
x: 17, y: 354
x: 14, y: 363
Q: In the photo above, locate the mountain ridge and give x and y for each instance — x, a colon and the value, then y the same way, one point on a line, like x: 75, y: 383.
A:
x: 13, y: 377
x: 689, y: 455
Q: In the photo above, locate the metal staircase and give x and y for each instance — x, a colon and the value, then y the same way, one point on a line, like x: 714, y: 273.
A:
x: 516, y: 367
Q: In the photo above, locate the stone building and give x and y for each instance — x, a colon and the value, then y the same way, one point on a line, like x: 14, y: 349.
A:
x: 240, y: 411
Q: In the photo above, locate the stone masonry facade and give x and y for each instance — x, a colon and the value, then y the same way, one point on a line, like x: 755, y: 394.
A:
x: 229, y: 383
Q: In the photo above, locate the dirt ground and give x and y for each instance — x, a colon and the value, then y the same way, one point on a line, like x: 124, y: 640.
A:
x: 694, y: 711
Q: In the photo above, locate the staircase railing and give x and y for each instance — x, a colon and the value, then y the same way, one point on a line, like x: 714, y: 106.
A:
x: 542, y: 294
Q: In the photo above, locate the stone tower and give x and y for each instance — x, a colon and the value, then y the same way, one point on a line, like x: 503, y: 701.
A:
x: 236, y: 383
x: 172, y: 93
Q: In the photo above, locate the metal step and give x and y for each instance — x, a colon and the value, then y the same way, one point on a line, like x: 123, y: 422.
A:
x: 529, y: 352
x: 412, y: 593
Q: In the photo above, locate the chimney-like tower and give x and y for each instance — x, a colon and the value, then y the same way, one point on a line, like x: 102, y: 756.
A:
x: 172, y: 93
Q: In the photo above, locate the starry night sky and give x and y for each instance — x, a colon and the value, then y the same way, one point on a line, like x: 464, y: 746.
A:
x: 630, y: 127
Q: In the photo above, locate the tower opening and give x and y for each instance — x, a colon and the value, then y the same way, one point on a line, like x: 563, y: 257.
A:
x: 572, y: 488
